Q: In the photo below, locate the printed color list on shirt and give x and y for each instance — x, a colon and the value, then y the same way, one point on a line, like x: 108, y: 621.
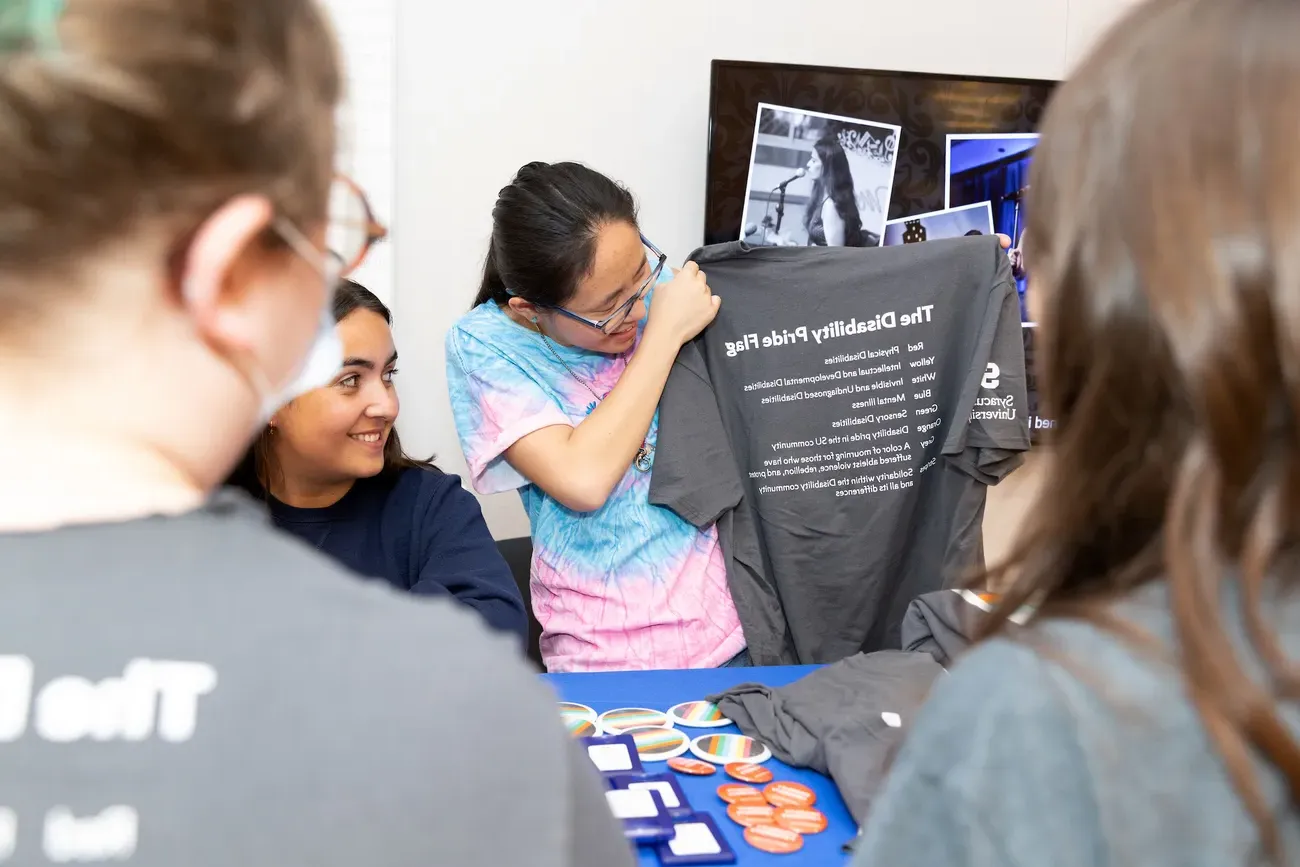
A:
x: 886, y: 401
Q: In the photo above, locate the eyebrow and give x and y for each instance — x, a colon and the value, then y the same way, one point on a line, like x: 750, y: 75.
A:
x: 613, y: 296
x: 367, y: 364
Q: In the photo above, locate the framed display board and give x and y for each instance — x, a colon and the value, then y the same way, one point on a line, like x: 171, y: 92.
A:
x: 920, y: 156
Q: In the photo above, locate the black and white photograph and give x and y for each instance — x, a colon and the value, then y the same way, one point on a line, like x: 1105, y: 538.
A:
x: 818, y: 180
x: 953, y: 223
x: 994, y: 168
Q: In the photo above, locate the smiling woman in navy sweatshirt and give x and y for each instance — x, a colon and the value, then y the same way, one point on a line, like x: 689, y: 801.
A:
x: 331, y: 468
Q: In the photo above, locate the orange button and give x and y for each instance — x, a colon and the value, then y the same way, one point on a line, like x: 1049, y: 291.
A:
x: 735, y: 793
x: 783, y: 794
x: 750, y: 815
x: 801, y: 820
x: 749, y: 773
x: 773, y: 839
x: 694, y: 767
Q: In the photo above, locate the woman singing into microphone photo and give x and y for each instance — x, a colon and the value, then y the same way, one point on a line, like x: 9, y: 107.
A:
x: 833, y: 219
x: 835, y: 174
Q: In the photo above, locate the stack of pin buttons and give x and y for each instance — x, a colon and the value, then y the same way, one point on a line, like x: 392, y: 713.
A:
x: 775, y: 818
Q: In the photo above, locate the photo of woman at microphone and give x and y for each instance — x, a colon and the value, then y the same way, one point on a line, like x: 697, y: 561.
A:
x: 832, y: 218
x: 818, y: 180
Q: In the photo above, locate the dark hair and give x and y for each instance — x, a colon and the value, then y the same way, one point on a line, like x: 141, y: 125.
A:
x: 836, y: 181
x: 1168, y: 358
x: 256, y: 468
x: 350, y: 296
x: 973, y: 232
x: 544, y: 229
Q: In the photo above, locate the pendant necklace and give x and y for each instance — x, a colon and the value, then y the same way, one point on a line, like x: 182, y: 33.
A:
x: 644, y: 455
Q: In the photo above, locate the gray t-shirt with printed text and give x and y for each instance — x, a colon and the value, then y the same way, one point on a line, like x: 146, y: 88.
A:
x: 201, y: 690
x: 846, y: 411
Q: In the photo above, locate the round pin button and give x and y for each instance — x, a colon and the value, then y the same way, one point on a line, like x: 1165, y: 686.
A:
x: 579, y: 727
x: 569, y: 709
x: 783, y: 794
x: 801, y: 820
x: 773, y: 839
x: 749, y: 815
x: 736, y: 793
x: 618, y: 721
x: 658, y: 744
x: 727, y: 748
x: 698, y: 715
x: 694, y: 767
x: 748, y: 773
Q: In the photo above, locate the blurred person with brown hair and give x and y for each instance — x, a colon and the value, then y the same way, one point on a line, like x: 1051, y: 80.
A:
x: 179, y: 682
x: 1147, y: 714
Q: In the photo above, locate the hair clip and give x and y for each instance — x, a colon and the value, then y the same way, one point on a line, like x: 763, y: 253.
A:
x: 27, y: 25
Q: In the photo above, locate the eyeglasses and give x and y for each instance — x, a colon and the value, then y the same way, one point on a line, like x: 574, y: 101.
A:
x: 353, y: 228
x: 615, y: 320
x: 350, y: 233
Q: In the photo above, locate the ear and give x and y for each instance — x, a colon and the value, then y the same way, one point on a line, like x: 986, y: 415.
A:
x: 277, y: 420
x: 527, y: 309
x: 211, y: 280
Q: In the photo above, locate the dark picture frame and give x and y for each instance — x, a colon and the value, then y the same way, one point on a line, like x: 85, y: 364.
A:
x: 927, y: 106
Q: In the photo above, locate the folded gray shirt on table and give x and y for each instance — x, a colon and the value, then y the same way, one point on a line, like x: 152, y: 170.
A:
x: 845, y: 720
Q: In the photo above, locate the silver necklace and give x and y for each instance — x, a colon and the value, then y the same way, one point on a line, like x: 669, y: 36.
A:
x: 644, y: 455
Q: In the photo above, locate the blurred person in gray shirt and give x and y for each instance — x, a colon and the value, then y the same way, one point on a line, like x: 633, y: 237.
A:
x: 179, y: 683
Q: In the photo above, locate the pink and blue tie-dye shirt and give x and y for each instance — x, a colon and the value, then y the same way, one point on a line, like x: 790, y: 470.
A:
x: 628, y: 586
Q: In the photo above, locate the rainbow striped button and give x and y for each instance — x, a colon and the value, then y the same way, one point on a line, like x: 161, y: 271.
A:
x: 725, y: 749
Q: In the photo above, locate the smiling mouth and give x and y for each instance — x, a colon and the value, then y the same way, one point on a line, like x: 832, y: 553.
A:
x: 370, y: 438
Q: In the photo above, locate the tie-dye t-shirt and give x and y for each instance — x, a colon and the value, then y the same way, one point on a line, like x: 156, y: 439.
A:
x: 628, y: 586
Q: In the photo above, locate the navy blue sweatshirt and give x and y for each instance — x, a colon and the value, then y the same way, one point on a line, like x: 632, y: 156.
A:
x: 420, y: 531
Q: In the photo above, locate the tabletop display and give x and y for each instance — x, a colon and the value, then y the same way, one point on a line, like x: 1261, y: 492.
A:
x: 687, y: 786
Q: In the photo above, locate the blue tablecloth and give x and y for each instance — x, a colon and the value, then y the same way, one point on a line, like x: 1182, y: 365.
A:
x: 661, y: 690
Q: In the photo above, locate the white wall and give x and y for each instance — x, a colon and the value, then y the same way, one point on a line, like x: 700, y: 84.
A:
x: 367, y: 34
x: 485, y: 87
x: 1088, y: 20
